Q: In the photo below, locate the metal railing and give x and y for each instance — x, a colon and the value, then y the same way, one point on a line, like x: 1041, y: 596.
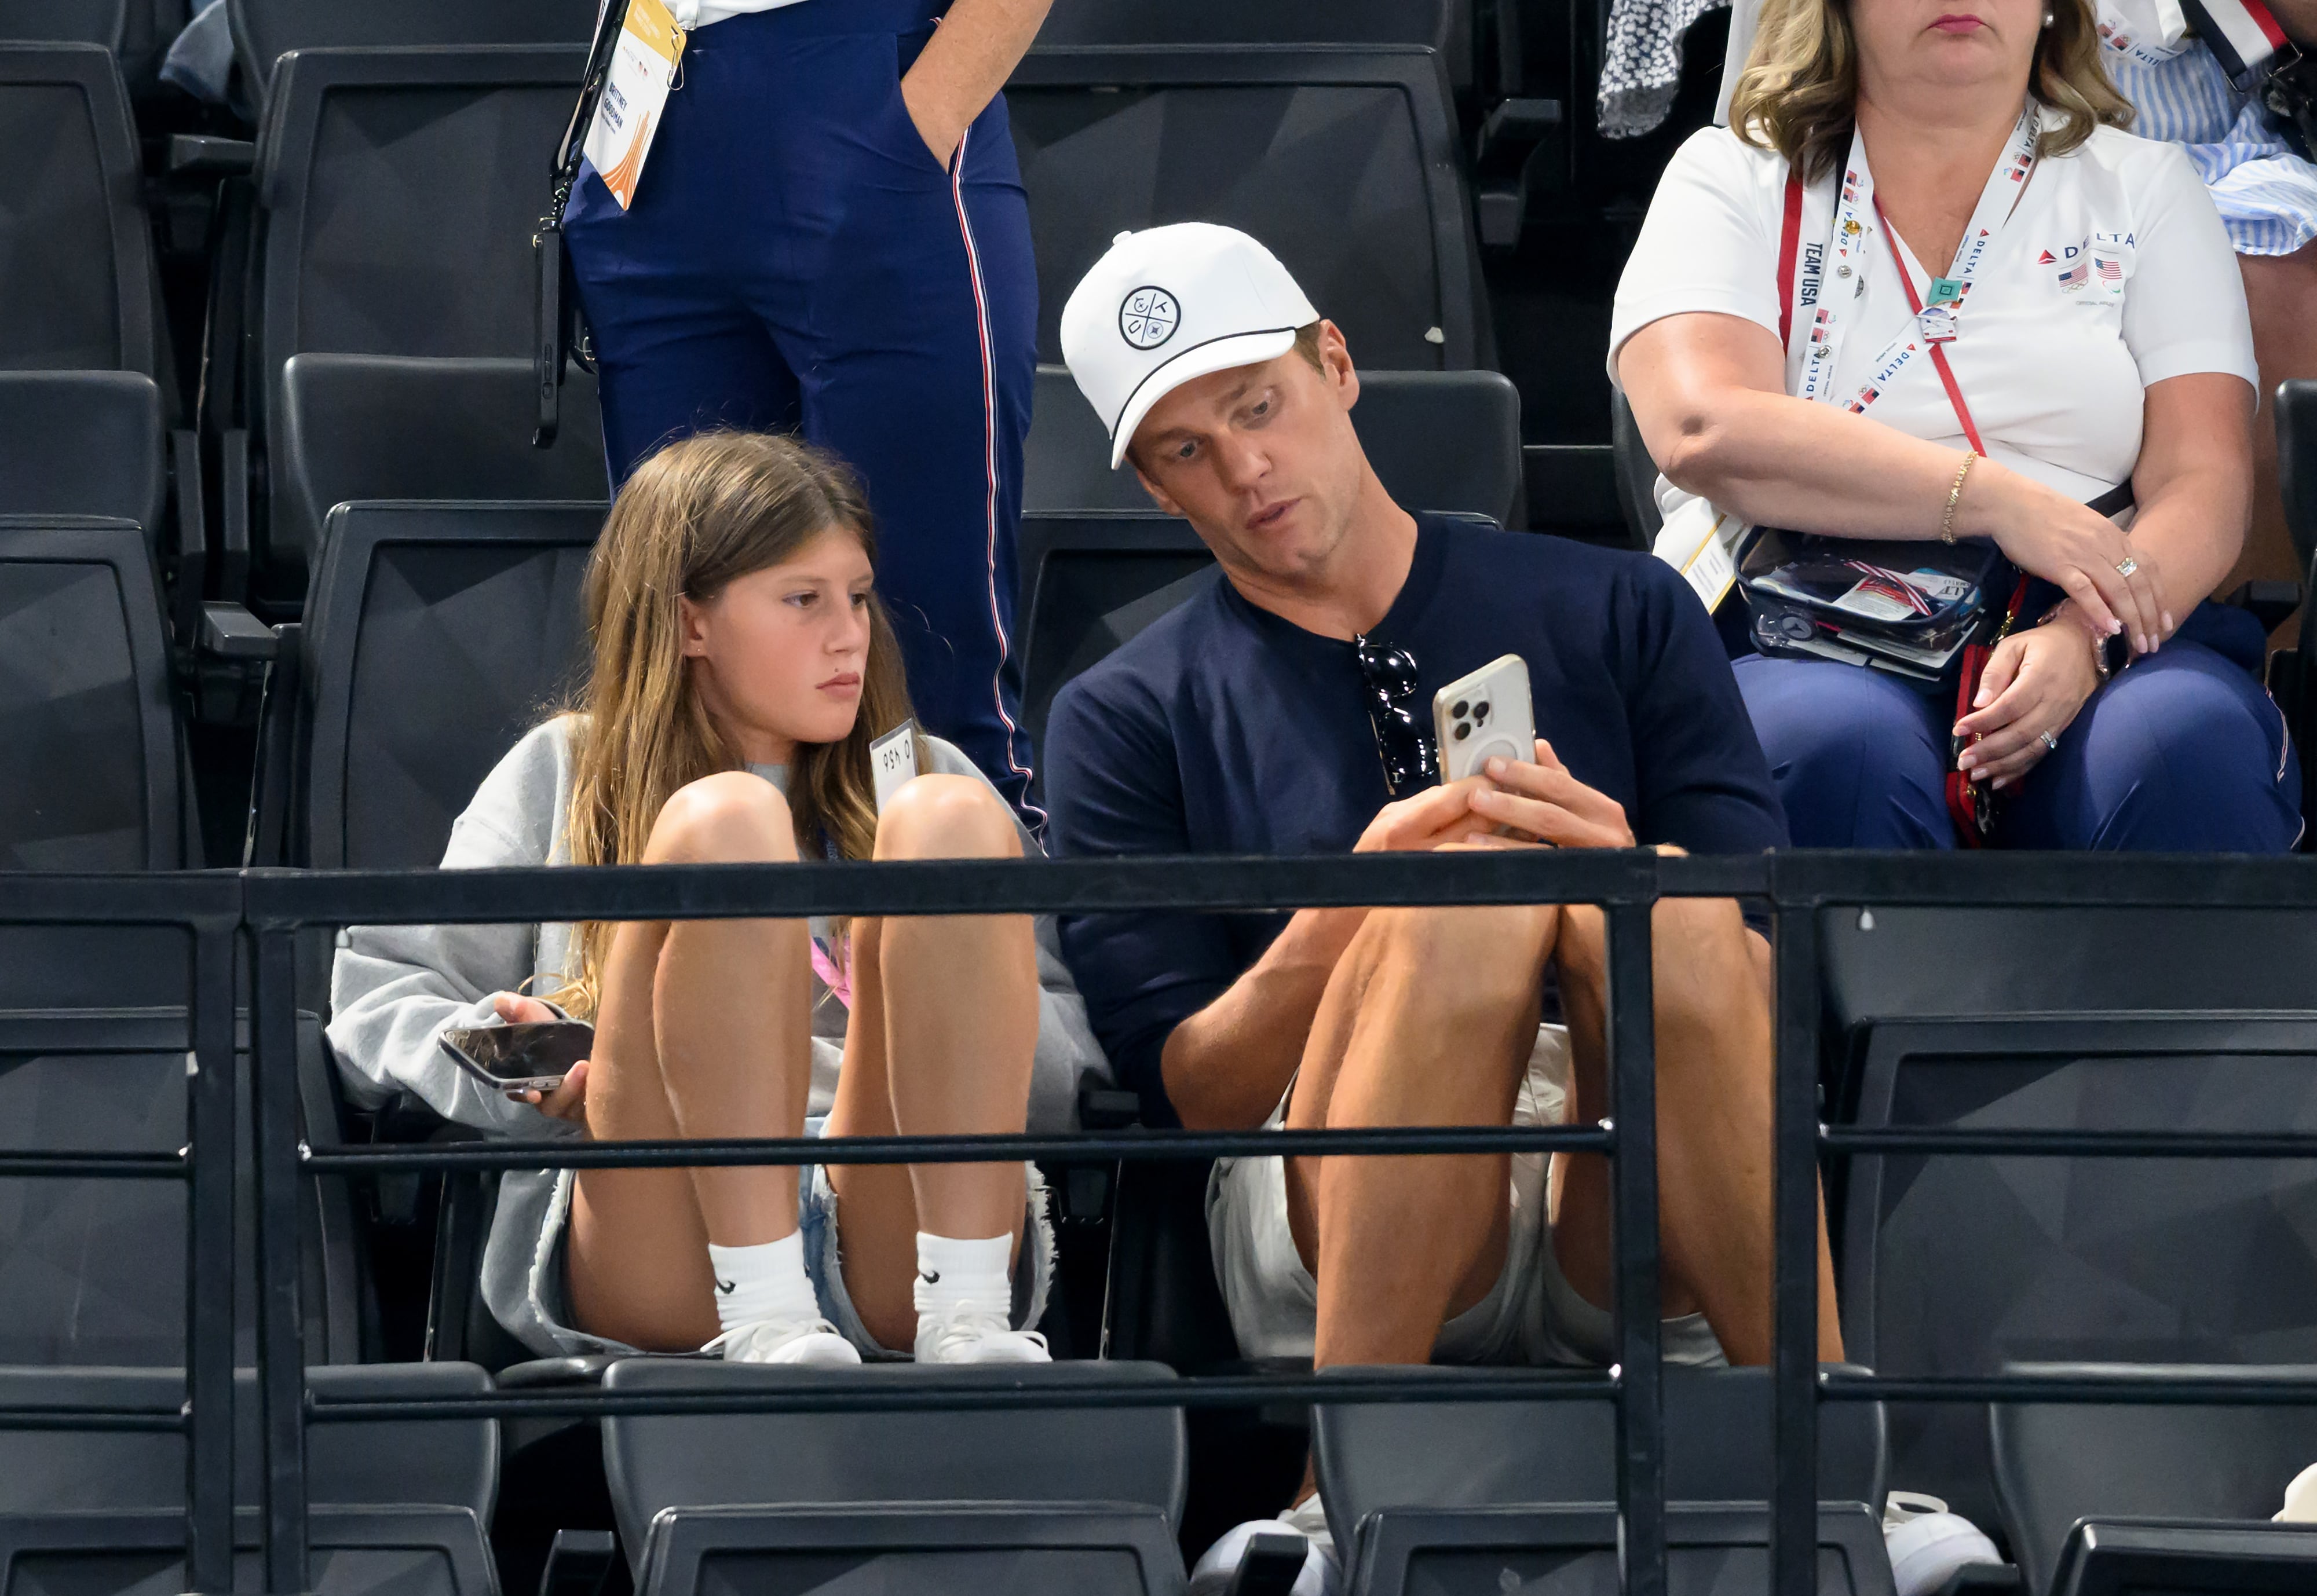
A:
x: 269, y: 908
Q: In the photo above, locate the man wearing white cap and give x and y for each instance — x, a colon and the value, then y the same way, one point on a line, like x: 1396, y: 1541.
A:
x: 1270, y: 713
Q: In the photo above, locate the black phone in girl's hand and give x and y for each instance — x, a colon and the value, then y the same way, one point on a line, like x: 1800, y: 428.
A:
x: 532, y: 1057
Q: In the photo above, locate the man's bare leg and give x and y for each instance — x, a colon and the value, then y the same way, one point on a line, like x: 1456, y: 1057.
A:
x: 1429, y: 1019
x: 1713, y: 1075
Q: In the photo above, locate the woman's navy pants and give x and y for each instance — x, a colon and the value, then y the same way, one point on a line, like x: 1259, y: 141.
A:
x: 798, y: 260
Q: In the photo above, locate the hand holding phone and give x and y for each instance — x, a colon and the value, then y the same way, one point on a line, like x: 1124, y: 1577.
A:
x: 523, y: 1057
x: 1484, y: 716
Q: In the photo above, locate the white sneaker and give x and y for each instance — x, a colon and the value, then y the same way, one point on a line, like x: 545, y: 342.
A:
x: 1322, y: 1571
x: 968, y: 1335
x: 812, y: 1343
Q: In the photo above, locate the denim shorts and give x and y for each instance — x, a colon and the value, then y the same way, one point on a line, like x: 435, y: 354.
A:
x: 537, y: 1309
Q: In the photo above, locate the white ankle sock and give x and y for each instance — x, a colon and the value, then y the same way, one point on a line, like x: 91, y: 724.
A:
x: 951, y: 1273
x: 766, y: 1281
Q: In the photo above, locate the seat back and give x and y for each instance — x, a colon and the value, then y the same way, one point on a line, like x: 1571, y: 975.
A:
x: 357, y: 427
x: 1428, y: 22
x: 1089, y: 583
x: 75, y: 261
x: 1372, y: 1457
x: 401, y: 188
x: 433, y: 1463
x: 1637, y: 473
x: 82, y: 443
x: 1031, y: 1458
x: 92, y: 1271
x: 2056, y: 1463
x: 92, y: 778
x: 436, y: 634
x: 1955, y: 1265
x: 1576, y: 1551
x: 1062, y: 1550
x: 1342, y: 159
x: 264, y: 30
x: 353, y: 1551
x: 2296, y: 463
x: 1438, y: 441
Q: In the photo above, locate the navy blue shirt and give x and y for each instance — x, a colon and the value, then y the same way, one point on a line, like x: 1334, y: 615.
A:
x: 1226, y: 729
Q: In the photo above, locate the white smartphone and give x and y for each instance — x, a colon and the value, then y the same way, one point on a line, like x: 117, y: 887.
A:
x: 892, y: 760
x: 1485, y: 716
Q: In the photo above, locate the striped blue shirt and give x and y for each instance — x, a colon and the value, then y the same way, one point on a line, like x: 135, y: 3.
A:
x: 2267, y: 194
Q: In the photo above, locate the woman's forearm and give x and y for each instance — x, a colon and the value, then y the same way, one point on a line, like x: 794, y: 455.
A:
x: 1781, y: 462
x: 967, y: 61
x: 2194, y: 528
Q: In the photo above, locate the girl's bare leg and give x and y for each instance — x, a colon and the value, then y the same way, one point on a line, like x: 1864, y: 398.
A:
x: 943, y: 1032
x: 701, y: 1032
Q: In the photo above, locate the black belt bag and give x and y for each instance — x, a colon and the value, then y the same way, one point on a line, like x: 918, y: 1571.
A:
x: 559, y: 337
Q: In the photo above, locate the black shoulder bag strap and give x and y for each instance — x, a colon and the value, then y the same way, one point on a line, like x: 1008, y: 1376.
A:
x: 559, y: 337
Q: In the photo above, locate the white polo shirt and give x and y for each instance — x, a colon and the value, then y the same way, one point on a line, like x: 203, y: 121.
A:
x: 2052, y: 355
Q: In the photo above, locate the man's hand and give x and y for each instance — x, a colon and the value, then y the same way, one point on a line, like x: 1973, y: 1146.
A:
x: 1434, y: 818
x: 1544, y: 803
x: 567, y: 1102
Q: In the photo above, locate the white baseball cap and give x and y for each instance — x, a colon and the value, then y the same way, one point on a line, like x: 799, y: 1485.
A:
x: 1170, y: 304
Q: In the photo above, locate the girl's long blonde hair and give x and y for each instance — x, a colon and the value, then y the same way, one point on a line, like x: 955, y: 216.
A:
x: 696, y: 516
x: 1799, y: 92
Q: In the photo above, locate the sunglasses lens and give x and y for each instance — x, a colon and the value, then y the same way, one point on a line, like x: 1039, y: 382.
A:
x: 1405, y: 749
x: 1391, y: 671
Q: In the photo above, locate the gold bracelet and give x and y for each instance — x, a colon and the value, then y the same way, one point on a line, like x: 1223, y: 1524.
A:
x: 1954, y: 496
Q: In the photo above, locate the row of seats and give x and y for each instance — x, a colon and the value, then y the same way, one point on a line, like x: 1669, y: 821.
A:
x: 434, y: 631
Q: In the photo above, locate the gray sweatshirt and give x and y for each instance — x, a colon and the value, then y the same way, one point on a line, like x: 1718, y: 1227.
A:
x: 395, y: 989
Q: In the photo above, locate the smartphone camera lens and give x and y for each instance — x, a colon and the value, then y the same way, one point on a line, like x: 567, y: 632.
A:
x: 1461, y: 710
x: 1464, y: 730
x: 1480, y: 710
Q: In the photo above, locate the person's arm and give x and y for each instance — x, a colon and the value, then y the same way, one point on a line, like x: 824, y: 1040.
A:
x: 395, y: 989
x: 964, y: 64
x: 1226, y: 1065
x: 1708, y: 393
x: 2298, y: 18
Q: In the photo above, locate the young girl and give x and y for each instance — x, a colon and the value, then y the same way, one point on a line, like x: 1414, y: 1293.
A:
x: 742, y: 667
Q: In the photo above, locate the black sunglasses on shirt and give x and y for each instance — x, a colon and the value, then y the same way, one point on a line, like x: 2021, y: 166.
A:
x: 1404, y: 744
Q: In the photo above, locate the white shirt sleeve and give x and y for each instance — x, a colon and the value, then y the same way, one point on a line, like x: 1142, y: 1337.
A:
x: 2184, y: 310
x: 1708, y: 243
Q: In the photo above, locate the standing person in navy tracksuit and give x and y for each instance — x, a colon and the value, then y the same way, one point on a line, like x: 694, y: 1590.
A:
x: 830, y: 235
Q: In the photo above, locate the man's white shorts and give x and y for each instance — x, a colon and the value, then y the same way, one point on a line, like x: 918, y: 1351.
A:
x: 1532, y: 1315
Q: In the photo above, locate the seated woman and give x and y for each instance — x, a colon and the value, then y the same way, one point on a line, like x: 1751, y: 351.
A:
x: 2093, y: 328
x: 742, y: 668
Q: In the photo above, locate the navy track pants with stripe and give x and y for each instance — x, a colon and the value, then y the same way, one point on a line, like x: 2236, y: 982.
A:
x: 796, y: 259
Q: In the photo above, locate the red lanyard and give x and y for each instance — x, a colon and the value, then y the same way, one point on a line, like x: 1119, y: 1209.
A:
x: 1938, y: 355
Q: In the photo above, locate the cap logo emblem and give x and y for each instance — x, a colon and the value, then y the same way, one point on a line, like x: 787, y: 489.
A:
x: 1147, y: 317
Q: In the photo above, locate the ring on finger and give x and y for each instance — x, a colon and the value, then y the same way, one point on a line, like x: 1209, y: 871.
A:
x: 2051, y: 743
x: 2127, y: 566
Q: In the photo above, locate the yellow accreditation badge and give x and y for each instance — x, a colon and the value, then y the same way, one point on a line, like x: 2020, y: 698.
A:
x: 635, y: 94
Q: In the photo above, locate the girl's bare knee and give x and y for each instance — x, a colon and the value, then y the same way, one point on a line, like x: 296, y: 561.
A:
x: 944, y: 816
x: 732, y: 817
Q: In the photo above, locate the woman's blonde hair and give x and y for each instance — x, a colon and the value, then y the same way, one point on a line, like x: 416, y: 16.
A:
x: 1799, y: 92
x: 696, y: 517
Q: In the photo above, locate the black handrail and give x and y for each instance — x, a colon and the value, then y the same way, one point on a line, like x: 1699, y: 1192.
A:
x: 268, y: 907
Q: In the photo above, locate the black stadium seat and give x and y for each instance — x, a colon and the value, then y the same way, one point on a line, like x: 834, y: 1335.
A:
x: 1438, y: 441
x: 393, y: 427
x: 400, y: 190
x: 1955, y: 1264
x: 93, y: 778
x: 75, y: 260
x: 1414, y: 1489
x: 435, y: 635
x: 1341, y: 158
x: 83, y: 443
x: 264, y: 31
x: 1037, y: 1500
x: 398, y: 1509
x: 2058, y: 1463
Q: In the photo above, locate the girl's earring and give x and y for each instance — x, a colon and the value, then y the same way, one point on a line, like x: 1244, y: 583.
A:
x: 2048, y: 19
